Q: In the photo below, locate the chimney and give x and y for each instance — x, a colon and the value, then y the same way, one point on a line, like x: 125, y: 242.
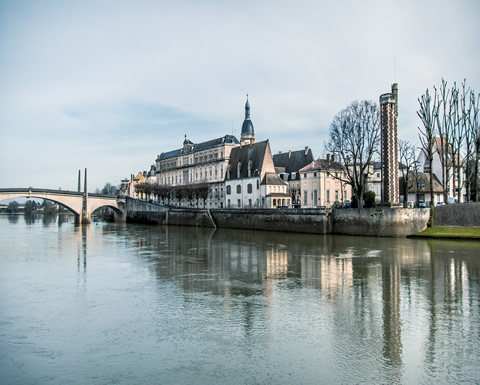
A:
x: 333, y: 158
x: 306, y: 150
x: 328, y: 158
x: 289, y: 154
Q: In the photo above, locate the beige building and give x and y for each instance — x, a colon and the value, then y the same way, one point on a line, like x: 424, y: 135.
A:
x: 288, y: 165
x: 198, y: 163
x: 127, y: 186
x: 321, y: 185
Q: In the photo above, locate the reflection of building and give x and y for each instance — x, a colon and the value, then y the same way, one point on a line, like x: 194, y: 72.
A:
x: 321, y: 184
x: 389, y: 145
x: 288, y: 165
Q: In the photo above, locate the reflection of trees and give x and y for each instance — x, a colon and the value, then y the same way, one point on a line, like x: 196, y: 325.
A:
x: 379, y: 294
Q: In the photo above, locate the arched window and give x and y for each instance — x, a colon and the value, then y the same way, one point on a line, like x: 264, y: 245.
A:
x: 239, y: 189
x: 249, y: 188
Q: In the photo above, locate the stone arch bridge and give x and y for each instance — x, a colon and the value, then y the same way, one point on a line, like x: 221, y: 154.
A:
x: 82, y: 205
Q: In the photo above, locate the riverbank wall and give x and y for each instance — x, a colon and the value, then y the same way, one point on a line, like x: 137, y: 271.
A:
x: 458, y: 214
x: 379, y: 222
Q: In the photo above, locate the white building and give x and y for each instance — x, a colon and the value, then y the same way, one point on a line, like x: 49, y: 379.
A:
x: 198, y: 163
x: 251, y: 180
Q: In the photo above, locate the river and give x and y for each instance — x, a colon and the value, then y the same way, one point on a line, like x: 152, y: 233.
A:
x: 110, y: 303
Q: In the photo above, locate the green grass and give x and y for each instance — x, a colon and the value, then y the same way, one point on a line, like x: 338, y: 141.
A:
x: 450, y: 232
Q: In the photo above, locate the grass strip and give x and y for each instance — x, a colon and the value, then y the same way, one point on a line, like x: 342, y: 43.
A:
x: 450, y: 232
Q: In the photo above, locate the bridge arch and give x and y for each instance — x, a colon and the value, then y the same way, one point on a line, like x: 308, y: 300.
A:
x: 72, y: 200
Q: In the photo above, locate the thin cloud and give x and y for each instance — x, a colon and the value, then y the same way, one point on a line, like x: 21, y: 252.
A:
x: 113, y: 84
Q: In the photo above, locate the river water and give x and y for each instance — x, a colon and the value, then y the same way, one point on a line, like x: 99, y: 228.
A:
x: 134, y: 304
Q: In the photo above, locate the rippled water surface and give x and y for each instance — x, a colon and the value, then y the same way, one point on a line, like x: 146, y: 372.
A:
x: 133, y: 304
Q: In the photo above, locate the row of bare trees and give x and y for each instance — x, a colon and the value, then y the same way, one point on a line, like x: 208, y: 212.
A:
x: 165, y: 193
x: 450, y: 120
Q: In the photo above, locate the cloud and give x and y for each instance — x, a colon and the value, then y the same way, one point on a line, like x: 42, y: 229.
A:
x: 112, y: 84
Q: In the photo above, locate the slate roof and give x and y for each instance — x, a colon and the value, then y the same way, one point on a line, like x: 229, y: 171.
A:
x: 257, y: 156
x: 292, y: 161
x: 200, y: 146
x: 322, y: 164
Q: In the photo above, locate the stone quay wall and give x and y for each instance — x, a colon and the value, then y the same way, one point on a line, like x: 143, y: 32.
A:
x: 383, y: 222
x: 311, y: 221
x: 458, y: 214
x: 380, y: 222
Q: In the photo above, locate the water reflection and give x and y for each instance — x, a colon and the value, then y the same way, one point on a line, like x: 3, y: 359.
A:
x: 373, y: 284
x: 231, y: 306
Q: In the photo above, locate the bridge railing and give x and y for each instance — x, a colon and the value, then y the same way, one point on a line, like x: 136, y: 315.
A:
x: 33, y: 190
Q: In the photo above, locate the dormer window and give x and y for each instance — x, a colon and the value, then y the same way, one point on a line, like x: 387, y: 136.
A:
x: 239, y: 169
x: 250, y: 164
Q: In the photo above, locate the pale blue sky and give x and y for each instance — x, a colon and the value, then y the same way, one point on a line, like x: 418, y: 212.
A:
x: 109, y: 85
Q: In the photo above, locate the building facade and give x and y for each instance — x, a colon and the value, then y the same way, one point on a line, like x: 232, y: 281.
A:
x: 193, y: 163
x: 454, y: 179
x: 321, y: 184
x: 288, y: 166
x: 251, y: 180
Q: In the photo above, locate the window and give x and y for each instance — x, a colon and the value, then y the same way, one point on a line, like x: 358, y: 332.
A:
x: 250, y: 203
x: 314, y: 174
x: 258, y: 184
x: 249, y: 188
x: 229, y: 190
x: 305, y: 195
x: 336, y: 195
x: 328, y: 196
x: 228, y: 203
x: 315, y: 197
x: 239, y: 203
x: 274, y: 203
x: 239, y: 189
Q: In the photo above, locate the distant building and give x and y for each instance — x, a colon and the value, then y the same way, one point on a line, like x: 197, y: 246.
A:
x: 419, y: 189
x: 389, y: 146
x: 288, y: 165
x: 251, y: 180
x: 127, y: 186
x: 321, y: 184
x: 455, y: 178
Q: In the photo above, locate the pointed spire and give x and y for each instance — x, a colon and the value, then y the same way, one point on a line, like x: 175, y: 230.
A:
x: 247, y: 109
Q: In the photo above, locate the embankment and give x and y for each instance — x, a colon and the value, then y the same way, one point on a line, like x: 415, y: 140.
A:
x: 382, y: 222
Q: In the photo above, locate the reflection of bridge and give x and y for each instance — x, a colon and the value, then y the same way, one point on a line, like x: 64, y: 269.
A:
x: 81, y: 204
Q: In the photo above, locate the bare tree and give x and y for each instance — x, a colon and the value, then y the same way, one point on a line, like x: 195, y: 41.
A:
x: 428, y: 115
x: 444, y: 128
x: 406, y: 154
x: 354, y: 138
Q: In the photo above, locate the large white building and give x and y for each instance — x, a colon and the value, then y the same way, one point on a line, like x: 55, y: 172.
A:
x: 193, y: 163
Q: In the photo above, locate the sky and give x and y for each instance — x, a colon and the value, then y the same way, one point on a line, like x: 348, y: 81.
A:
x: 108, y: 85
